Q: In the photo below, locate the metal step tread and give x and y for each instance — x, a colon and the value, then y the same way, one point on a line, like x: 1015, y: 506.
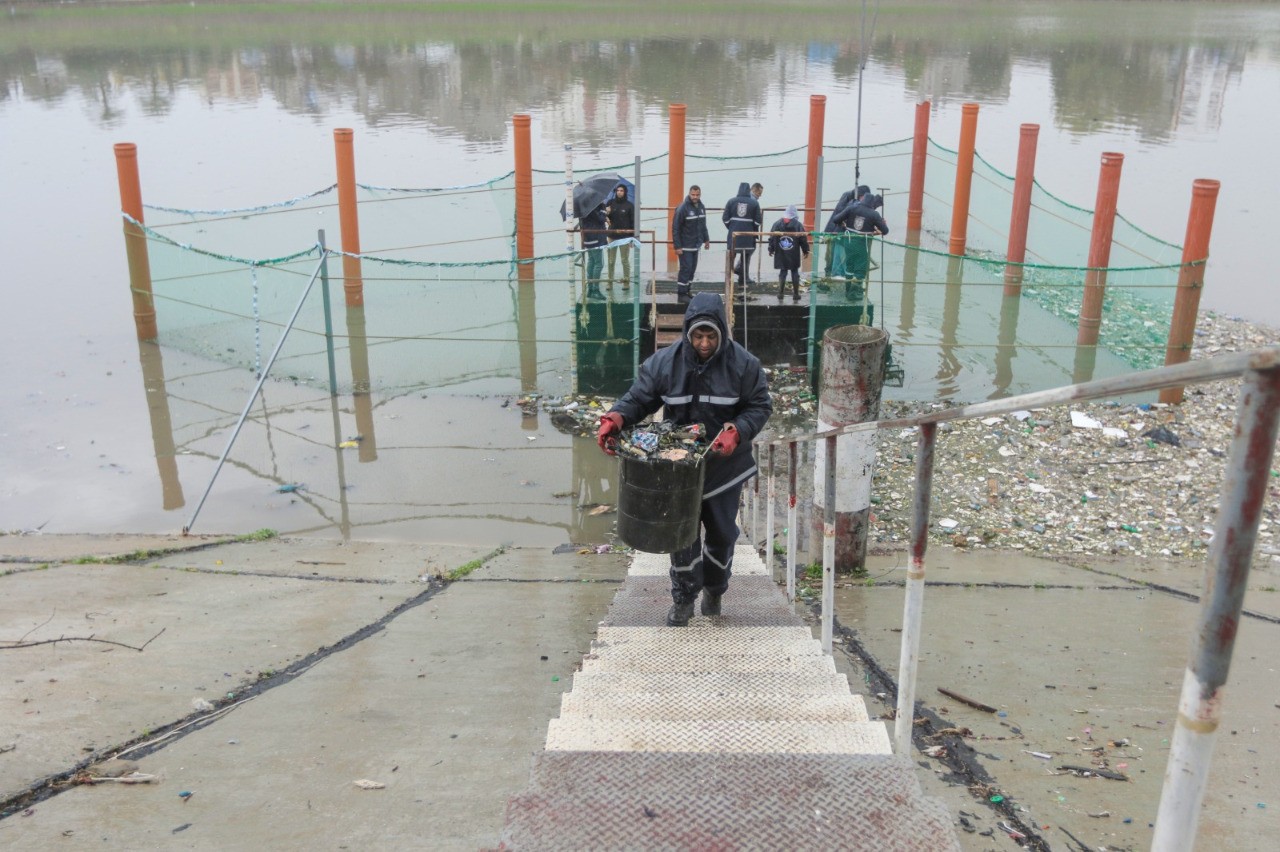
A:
x: 704, y: 683
x: 735, y: 706
x: 745, y: 561
x: 679, y: 819
x: 718, y: 736
x: 712, y: 663
x: 705, y: 629
x: 685, y: 643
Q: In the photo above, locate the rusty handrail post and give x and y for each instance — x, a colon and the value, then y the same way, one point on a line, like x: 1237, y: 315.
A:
x: 913, y: 605
x: 755, y: 499
x: 1244, y: 494
x: 829, y: 545
x: 768, y: 517
x: 792, y: 461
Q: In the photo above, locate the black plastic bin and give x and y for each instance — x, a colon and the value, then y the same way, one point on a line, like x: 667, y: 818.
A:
x: 659, y: 503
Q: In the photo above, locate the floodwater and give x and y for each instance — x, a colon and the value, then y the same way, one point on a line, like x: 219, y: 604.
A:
x: 234, y: 106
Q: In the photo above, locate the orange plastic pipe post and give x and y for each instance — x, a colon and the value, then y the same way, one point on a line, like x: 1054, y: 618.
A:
x: 817, y: 121
x: 1023, y: 182
x: 675, y: 172
x: 964, y: 178
x: 919, y: 154
x: 1104, y: 222
x: 524, y: 187
x: 135, y: 242
x: 348, y: 217
x: 1195, y: 255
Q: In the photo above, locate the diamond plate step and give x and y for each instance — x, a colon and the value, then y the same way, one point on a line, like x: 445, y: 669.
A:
x: 718, y: 736
x: 736, y: 645
x: 581, y: 773
x: 656, y: 616
x: 711, y: 663
x: 699, y: 630
x: 677, y: 820
x: 745, y: 561
x: 831, y: 707
x: 705, y: 683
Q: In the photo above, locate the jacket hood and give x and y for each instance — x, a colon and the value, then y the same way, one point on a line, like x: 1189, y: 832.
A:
x: 707, y: 308
x: 744, y: 188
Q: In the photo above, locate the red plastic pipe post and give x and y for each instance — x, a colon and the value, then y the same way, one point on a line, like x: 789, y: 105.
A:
x: 675, y: 170
x: 919, y: 154
x: 1023, y: 182
x: 348, y: 217
x: 817, y: 122
x: 1195, y: 255
x: 135, y: 242
x: 964, y: 177
x: 524, y: 187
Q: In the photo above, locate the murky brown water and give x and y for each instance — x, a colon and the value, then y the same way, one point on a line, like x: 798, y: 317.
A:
x: 235, y: 108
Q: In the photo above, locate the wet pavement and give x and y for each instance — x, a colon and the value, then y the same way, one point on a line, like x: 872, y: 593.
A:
x: 328, y: 663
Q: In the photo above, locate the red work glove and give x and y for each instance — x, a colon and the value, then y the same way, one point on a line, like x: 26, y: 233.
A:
x: 726, y: 442
x: 607, y: 433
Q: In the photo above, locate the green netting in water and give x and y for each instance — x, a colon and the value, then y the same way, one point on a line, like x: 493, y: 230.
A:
x: 446, y: 306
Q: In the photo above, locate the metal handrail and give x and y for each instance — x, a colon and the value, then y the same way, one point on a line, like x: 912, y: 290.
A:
x: 1244, y: 490
x: 321, y: 267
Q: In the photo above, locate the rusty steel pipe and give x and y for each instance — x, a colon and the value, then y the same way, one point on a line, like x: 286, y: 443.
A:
x: 792, y: 534
x: 1244, y: 496
x: 913, y: 604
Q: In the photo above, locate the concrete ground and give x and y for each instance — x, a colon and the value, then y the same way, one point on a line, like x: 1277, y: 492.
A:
x: 331, y: 663
x: 356, y: 663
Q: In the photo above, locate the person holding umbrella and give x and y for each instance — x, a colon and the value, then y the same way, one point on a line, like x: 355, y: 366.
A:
x: 594, y: 237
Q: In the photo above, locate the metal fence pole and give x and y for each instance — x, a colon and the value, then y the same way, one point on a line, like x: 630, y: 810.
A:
x: 1244, y: 494
x: 768, y: 517
x: 829, y: 545
x: 257, y: 389
x: 755, y: 501
x: 792, y: 451
x: 328, y: 313
x: 914, y: 603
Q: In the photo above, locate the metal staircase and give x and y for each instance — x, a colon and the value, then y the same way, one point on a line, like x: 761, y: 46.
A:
x: 733, y: 733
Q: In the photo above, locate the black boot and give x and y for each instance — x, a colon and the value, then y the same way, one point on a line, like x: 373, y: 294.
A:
x: 710, y: 603
x: 683, y: 292
x: 679, y: 614
x: 782, y: 287
x: 795, y: 291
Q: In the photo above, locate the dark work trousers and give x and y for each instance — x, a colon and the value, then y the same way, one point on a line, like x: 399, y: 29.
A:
x: 688, y: 266
x: 707, y: 563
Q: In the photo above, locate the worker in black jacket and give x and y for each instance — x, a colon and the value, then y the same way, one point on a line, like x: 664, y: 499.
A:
x: 688, y: 236
x: 709, y: 379
x: 743, y: 218
x: 788, y: 245
x: 622, y: 224
x: 833, y: 246
x: 860, y: 222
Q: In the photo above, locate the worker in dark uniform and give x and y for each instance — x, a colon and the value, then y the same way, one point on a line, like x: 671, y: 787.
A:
x: 688, y: 236
x: 861, y: 222
x: 743, y: 218
x: 709, y: 379
x: 834, y: 247
x: 788, y: 245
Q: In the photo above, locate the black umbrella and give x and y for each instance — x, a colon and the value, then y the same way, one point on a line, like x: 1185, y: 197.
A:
x: 596, y: 190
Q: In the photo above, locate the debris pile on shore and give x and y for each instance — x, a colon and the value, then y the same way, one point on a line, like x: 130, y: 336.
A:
x: 1117, y: 477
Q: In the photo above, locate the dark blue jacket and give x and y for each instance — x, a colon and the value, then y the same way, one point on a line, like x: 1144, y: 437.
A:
x: 593, y: 227
x: 730, y: 386
x: 846, y: 198
x: 742, y: 213
x: 861, y: 217
x: 689, y: 225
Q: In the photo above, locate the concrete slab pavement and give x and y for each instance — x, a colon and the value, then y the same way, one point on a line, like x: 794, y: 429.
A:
x: 445, y: 705
x: 1072, y: 670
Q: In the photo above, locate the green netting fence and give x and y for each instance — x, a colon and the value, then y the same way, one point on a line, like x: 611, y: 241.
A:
x: 447, y: 306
